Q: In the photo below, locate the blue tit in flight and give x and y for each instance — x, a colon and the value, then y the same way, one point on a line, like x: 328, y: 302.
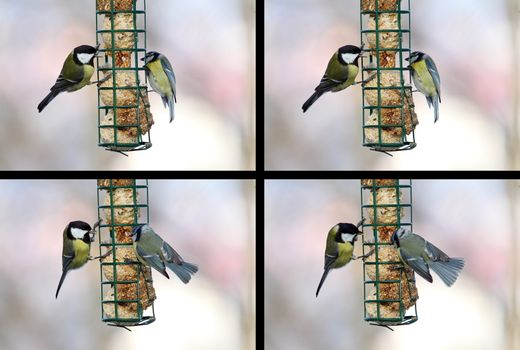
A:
x: 420, y: 255
x: 153, y: 251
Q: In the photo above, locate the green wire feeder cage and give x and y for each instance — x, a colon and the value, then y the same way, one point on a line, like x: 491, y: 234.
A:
x: 390, y: 293
x: 389, y: 118
x: 126, y: 285
x: 124, y: 118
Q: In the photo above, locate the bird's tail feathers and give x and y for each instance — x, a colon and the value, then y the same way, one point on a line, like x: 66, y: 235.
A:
x: 171, y: 107
x: 47, y: 99
x: 183, y: 271
x: 325, y: 273
x: 312, y: 99
x: 436, y: 108
x: 64, y: 273
x: 448, y: 271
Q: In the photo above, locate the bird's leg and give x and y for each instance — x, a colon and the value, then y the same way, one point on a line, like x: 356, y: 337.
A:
x: 101, y: 81
x: 101, y: 256
x: 368, y: 254
x: 364, y: 256
x: 396, y: 267
x: 367, y: 80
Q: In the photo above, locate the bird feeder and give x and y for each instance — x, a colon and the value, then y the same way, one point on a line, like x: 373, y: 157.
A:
x: 124, y: 117
x: 389, y: 119
x: 390, y: 293
x: 127, y: 292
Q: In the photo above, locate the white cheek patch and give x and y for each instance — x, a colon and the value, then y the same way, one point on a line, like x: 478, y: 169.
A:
x: 349, y: 57
x: 348, y: 237
x: 85, y: 57
x: 77, y: 233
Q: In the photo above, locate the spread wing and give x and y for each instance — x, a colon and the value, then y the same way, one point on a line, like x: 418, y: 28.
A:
x: 170, y: 254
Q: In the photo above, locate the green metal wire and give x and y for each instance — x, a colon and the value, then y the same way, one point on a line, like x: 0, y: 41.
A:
x: 108, y: 241
x: 140, y: 140
x: 405, y: 141
x: 403, y: 190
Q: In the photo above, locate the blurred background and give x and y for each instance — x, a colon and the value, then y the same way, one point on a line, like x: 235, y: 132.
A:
x: 477, y: 220
x: 214, y: 311
x: 477, y: 128
x: 211, y: 47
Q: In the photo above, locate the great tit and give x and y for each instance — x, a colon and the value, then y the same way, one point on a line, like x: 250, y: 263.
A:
x: 341, y: 72
x: 153, y: 251
x: 77, y: 237
x: 426, y: 79
x: 75, y: 73
x: 421, y: 255
x: 159, y: 72
x: 339, y: 248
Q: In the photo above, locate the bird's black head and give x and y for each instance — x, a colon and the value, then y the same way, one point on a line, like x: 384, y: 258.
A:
x: 347, y: 232
x: 349, y: 54
x: 79, y: 230
x: 84, y: 54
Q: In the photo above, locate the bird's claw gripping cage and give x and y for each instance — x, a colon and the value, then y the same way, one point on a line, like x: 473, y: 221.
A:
x: 127, y: 292
x: 390, y: 293
x: 124, y: 117
x: 389, y: 119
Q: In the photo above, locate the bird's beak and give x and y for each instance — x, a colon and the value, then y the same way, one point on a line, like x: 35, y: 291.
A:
x: 142, y: 59
x: 407, y: 59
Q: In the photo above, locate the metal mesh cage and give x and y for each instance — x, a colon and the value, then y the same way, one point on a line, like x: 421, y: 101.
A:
x: 390, y: 293
x: 126, y: 285
x: 389, y: 118
x: 124, y: 118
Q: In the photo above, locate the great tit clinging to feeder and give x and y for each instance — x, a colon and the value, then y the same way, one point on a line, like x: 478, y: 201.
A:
x: 75, y: 73
x: 341, y: 72
x: 426, y: 79
x: 77, y: 237
x: 421, y: 255
x: 159, y: 72
x: 153, y: 251
x: 340, y: 247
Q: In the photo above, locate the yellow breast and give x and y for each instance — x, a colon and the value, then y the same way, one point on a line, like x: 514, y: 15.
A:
x: 81, y: 251
x: 345, y: 251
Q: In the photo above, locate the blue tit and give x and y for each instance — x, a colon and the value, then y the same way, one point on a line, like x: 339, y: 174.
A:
x: 75, y: 73
x: 420, y: 255
x: 77, y: 237
x: 341, y: 72
x: 153, y: 251
x: 159, y: 72
x: 426, y: 79
x: 339, y: 248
